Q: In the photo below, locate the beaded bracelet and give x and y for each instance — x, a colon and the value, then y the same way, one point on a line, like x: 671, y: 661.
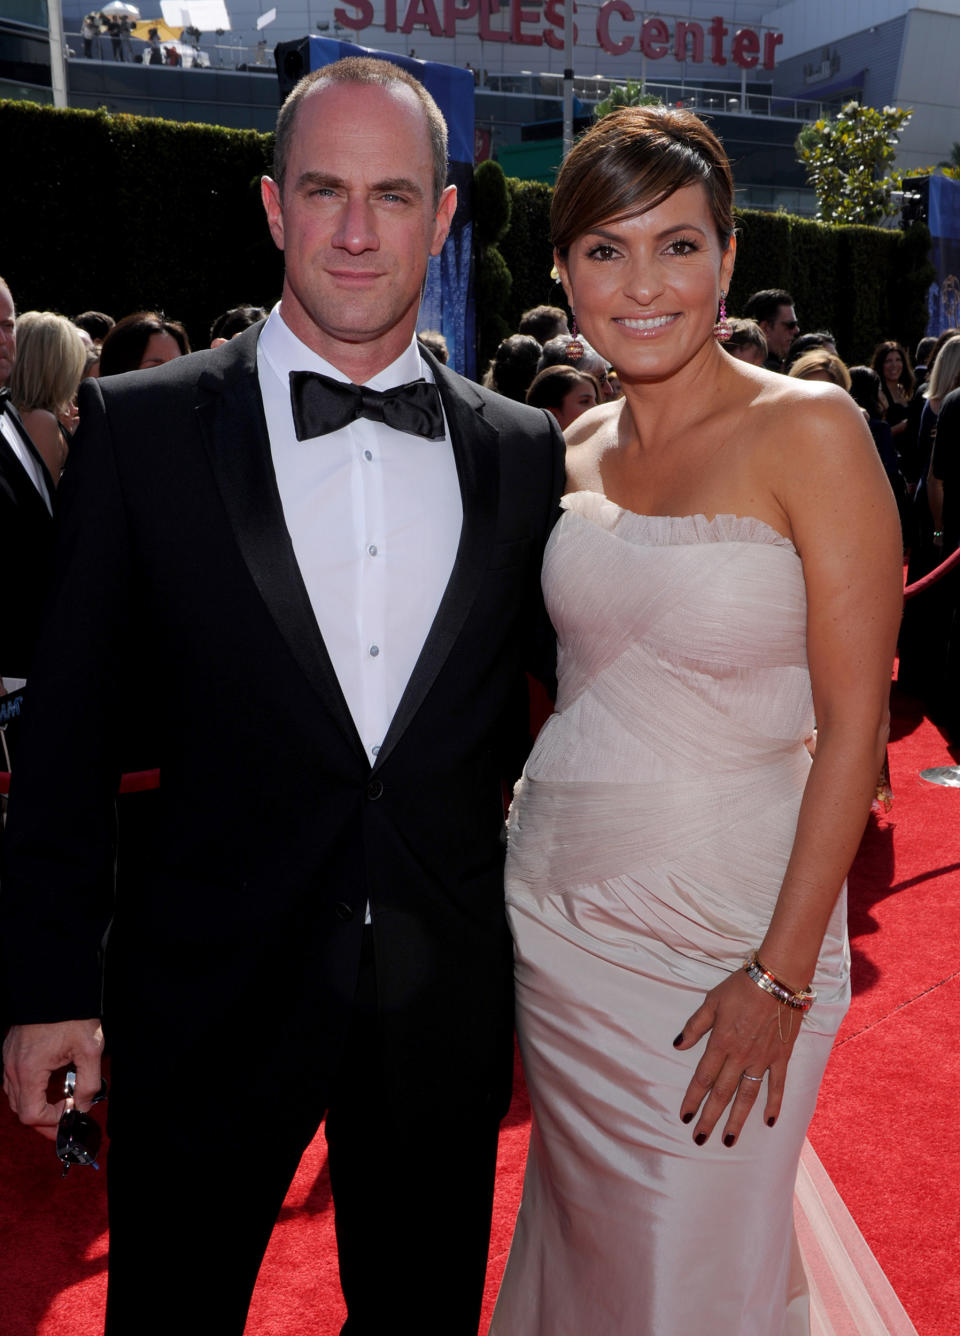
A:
x: 754, y: 969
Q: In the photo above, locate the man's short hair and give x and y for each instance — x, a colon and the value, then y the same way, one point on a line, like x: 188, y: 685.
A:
x: 544, y: 323
x: 362, y: 70
x: 745, y: 333
x: 96, y: 323
x: 436, y: 343
x: 235, y: 321
x: 806, y: 343
x: 765, y: 304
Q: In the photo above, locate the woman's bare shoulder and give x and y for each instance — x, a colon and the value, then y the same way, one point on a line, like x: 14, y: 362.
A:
x: 588, y: 438
x: 792, y: 419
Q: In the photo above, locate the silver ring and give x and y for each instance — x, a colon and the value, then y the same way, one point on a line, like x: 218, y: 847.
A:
x: 745, y: 1076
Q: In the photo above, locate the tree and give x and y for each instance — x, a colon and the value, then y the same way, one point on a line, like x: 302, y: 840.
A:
x: 953, y: 161
x: 630, y: 94
x: 491, y: 220
x: 848, y: 160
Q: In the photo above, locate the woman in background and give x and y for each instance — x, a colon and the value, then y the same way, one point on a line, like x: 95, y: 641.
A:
x: 51, y: 360
x: 565, y: 392
x: 142, y: 340
x: 892, y: 364
x: 821, y: 365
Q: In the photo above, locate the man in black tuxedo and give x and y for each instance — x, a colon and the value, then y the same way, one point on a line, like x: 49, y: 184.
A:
x: 26, y: 520
x: 337, y: 611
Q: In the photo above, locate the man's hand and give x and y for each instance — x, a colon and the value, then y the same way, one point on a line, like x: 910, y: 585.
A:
x: 31, y: 1053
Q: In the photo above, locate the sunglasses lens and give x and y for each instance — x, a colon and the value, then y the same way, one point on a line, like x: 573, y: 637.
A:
x: 78, y: 1138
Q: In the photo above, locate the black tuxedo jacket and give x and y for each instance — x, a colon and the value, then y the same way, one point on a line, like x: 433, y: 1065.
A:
x: 240, y: 938
x: 26, y: 538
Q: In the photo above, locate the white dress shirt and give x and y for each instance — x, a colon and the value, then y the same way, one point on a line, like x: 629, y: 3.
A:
x: 375, y: 516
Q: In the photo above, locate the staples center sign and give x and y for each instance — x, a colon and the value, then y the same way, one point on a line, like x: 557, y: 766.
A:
x: 619, y: 29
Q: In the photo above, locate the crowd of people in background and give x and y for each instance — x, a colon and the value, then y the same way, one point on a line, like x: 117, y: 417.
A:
x: 119, y: 28
x: 910, y: 405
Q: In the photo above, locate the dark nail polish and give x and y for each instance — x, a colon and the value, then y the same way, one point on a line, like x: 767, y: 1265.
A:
x: 687, y: 1118
x: 679, y: 1040
x: 771, y: 1121
x: 700, y: 1138
x: 729, y: 1139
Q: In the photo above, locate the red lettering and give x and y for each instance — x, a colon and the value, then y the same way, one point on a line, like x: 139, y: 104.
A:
x: 684, y: 30
x: 422, y: 11
x: 718, y: 31
x: 488, y: 34
x: 604, y: 14
x: 390, y: 15
x: 518, y: 17
x: 553, y: 14
x: 654, y: 38
x: 771, y: 40
x: 746, y: 48
x: 452, y: 12
x: 362, y: 19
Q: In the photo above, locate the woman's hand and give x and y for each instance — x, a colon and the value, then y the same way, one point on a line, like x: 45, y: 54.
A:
x: 751, y: 1035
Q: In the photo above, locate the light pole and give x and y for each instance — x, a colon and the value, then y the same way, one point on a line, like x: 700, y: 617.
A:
x: 567, y: 77
x: 58, y: 64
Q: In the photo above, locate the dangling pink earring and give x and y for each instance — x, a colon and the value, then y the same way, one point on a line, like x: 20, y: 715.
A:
x: 575, y: 348
x: 722, y: 330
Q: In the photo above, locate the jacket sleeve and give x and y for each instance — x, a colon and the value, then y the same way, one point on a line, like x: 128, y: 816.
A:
x: 57, y: 889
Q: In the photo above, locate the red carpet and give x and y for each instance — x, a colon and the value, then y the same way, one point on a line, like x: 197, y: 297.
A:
x: 886, y: 1128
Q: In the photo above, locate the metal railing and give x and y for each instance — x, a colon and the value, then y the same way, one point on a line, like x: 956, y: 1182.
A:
x: 731, y: 99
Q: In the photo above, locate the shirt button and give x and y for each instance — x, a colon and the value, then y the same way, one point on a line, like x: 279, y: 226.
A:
x: 368, y: 454
x: 374, y: 651
x: 372, y: 549
x: 374, y: 790
x: 375, y: 749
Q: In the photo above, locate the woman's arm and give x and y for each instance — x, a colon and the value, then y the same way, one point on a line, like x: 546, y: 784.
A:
x: 43, y: 430
x: 833, y: 489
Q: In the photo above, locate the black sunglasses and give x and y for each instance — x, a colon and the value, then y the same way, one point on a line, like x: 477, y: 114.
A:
x: 78, y: 1135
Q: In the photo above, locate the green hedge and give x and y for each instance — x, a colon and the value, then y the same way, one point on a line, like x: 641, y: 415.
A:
x: 118, y: 213
x: 123, y: 212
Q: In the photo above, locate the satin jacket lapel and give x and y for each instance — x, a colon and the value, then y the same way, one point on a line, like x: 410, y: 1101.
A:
x: 476, y: 450
x: 234, y: 430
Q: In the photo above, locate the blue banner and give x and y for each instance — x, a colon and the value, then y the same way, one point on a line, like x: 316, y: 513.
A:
x: 448, y: 298
x: 943, y: 219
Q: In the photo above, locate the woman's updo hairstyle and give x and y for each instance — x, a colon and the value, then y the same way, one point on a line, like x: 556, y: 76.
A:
x: 631, y: 161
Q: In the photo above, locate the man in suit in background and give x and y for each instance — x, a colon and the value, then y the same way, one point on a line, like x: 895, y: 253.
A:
x: 26, y: 521
x: 773, y: 310
x: 338, y: 589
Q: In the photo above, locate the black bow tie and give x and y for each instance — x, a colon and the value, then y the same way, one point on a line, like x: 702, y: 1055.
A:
x: 321, y: 405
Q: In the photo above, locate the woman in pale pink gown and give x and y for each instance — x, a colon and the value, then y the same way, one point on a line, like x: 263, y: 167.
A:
x: 725, y: 573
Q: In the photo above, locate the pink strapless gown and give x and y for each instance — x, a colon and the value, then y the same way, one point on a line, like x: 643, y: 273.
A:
x: 648, y: 841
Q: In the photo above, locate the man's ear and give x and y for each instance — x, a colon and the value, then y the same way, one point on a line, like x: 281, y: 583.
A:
x: 271, y: 200
x: 443, y: 219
